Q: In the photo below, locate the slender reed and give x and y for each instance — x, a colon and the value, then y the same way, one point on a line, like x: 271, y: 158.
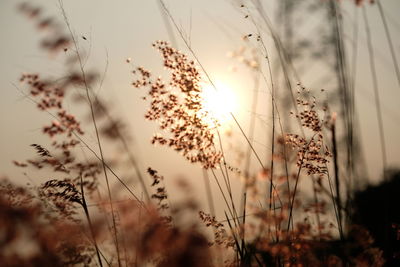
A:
x: 390, y: 42
x: 94, y: 125
x: 85, y: 208
x: 337, y: 180
x: 376, y: 91
x: 343, y: 80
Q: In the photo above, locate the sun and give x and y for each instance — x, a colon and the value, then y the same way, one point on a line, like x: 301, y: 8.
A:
x: 218, y: 103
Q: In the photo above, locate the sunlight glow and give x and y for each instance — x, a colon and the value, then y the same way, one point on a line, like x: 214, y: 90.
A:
x: 218, y: 103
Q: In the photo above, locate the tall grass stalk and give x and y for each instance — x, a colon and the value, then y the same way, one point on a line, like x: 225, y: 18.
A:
x: 390, y: 42
x: 85, y: 208
x: 87, y: 89
x: 376, y: 90
x: 337, y: 178
x: 355, y: 43
x: 274, y: 111
x: 343, y: 81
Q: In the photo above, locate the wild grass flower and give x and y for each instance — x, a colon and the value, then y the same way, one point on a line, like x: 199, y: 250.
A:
x: 177, y: 107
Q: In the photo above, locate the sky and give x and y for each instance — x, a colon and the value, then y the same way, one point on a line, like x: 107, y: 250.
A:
x: 124, y: 29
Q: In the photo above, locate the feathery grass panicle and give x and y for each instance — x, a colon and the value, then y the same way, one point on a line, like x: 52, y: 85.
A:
x: 177, y: 107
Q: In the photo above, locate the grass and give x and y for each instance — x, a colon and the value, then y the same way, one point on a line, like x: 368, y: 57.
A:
x: 270, y: 221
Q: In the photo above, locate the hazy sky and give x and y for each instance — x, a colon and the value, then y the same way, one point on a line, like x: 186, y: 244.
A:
x: 117, y: 30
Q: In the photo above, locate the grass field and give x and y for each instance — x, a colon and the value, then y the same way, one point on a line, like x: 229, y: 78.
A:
x: 283, y: 151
